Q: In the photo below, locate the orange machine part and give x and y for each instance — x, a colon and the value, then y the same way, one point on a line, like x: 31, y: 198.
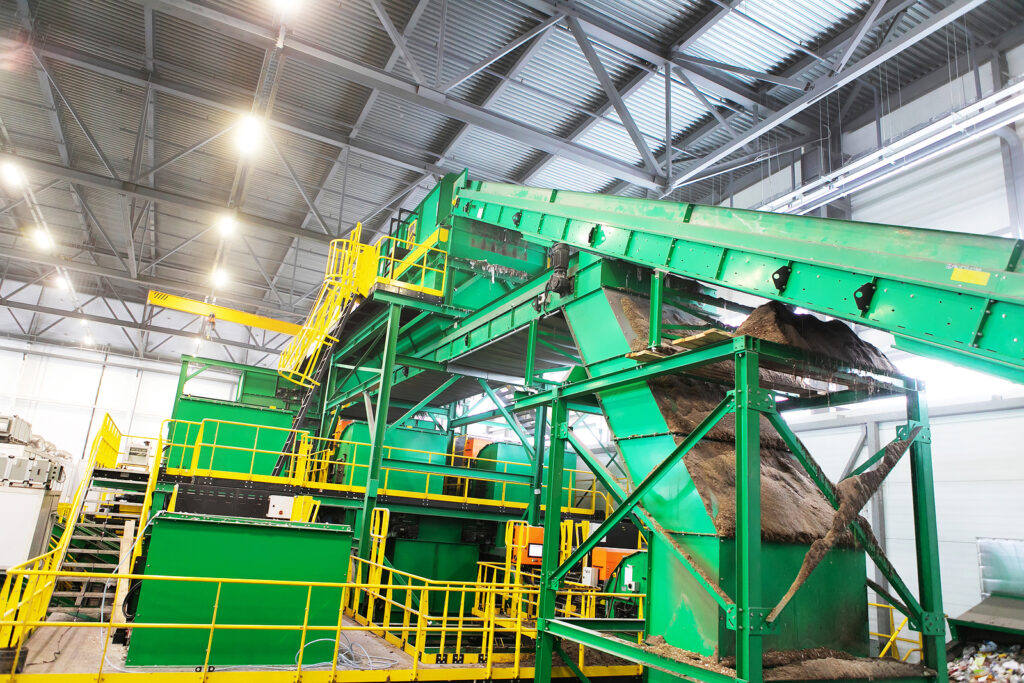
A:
x: 533, y: 544
x: 605, y: 560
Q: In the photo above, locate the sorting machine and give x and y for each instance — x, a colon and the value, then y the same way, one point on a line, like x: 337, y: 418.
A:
x: 488, y: 282
x: 560, y: 305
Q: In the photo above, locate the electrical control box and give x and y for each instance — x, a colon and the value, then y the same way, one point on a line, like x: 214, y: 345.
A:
x: 527, y: 545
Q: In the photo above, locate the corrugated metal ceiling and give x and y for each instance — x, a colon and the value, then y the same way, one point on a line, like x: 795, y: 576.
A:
x: 204, y: 76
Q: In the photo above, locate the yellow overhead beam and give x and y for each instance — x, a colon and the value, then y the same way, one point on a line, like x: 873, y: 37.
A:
x: 180, y: 303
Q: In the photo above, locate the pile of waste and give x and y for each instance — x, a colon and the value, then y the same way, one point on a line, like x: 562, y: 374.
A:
x: 986, y: 661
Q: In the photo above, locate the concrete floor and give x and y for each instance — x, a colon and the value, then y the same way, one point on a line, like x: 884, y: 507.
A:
x: 69, y: 649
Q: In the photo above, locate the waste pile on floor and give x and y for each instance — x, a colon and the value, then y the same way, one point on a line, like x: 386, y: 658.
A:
x: 983, y: 662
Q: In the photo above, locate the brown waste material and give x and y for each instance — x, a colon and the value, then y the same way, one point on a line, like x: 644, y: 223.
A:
x: 834, y: 668
x: 853, y: 493
x: 819, y: 663
x: 659, y: 646
x: 792, y: 508
x: 773, y: 658
x: 778, y: 323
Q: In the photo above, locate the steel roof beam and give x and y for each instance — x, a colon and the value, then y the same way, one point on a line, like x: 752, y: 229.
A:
x: 150, y: 193
x: 500, y: 52
x: 612, y: 92
x: 186, y: 288
x: 63, y: 314
x: 827, y: 85
x: 190, y: 93
x: 686, y: 62
x: 428, y: 98
x: 399, y: 41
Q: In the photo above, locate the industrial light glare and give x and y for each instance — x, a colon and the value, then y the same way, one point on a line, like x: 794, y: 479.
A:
x: 63, y: 283
x: 11, y: 174
x: 285, y: 7
x: 87, y: 339
x: 248, y: 134
x: 220, y: 278
x: 83, y: 322
x: 227, y: 225
x: 42, y: 239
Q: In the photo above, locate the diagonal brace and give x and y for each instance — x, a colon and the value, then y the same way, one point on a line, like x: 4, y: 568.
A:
x: 427, y: 399
x: 513, y: 423
x: 656, y: 475
x: 827, y: 489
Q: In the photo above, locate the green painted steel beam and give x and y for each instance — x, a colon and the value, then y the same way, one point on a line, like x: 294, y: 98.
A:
x: 607, y: 625
x: 866, y: 541
x: 656, y: 475
x: 958, y: 292
x: 632, y: 652
x: 394, y: 318
x: 423, y: 402
x: 387, y: 297
x: 749, y: 610
x: 513, y: 424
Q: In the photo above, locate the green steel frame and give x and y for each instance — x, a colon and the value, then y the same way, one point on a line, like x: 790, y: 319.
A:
x: 953, y: 295
x: 746, y: 615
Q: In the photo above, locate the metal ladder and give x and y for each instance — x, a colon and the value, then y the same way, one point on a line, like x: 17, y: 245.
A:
x: 319, y: 376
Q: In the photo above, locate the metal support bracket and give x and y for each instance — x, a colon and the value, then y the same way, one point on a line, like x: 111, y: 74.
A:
x: 759, y: 623
x: 759, y: 398
x: 903, y: 431
x: 932, y: 624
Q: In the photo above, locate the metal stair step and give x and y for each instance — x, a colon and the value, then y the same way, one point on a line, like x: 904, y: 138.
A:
x: 87, y: 595
x: 102, y: 565
x: 93, y: 551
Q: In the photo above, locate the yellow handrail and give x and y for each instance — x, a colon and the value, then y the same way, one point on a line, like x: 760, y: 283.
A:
x: 893, y: 637
x: 317, y: 464
x: 25, y: 600
x: 353, y: 269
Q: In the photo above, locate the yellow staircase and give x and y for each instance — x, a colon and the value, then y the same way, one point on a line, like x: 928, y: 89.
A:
x: 353, y: 269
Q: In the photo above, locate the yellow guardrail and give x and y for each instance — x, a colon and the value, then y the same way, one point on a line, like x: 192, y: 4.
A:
x: 332, y: 465
x: 434, y: 620
x: 353, y: 269
x: 397, y: 607
x: 28, y: 587
x: 893, y: 638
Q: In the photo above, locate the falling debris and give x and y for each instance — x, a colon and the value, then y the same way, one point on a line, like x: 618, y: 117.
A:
x: 778, y: 323
x: 853, y: 493
x: 987, y: 662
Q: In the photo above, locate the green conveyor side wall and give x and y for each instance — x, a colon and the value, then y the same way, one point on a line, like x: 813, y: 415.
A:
x: 205, y: 546
x: 227, y: 447
x: 684, y: 613
x: 413, y: 445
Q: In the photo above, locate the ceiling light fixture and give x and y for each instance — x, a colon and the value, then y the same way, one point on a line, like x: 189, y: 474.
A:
x: 88, y: 340
x: 249, y: 134
x: 286, y: 7
x: 42, y: 239
x: 220, y: 278
x: 63, y: 283
x: 227, y: 225
x: 11, y: 174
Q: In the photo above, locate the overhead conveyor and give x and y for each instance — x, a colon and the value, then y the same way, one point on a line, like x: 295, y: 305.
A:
x: 616, y: 276
x: 953, y: 295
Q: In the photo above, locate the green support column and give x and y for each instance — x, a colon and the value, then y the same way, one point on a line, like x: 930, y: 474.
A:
x: 540, y: 425
x: 749, y: 615
x: 539, y: 429
x: 933, y: 623
x: 380, y: 425
x: 657, y: 294
x: 549, y: 558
